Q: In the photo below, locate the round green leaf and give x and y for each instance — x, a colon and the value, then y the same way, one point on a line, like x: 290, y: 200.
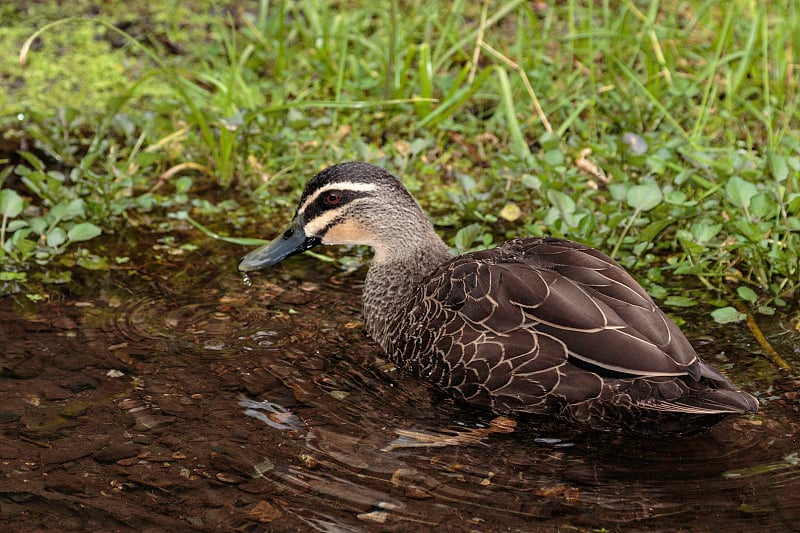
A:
x: 183, y: 184
x: 83, y: 232
x: 38, y: 225
x: 747, y: 294
x: 740, y: 191
x: 644, y: 197
x: 56, y: 237
x: 11, y: 203
x: 726, y: 315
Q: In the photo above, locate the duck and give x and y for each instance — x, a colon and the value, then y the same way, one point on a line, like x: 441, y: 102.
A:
x: 535, y: 327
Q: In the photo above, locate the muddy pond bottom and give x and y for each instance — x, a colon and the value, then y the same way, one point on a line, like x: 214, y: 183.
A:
x: 181, y: 398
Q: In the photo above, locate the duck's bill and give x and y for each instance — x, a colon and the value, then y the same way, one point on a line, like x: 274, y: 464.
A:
x: 292, y: 241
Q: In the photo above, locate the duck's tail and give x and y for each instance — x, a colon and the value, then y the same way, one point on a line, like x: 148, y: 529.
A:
x: 707, y: 402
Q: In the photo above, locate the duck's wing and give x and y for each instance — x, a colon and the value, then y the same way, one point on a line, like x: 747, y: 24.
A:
x: 575, y: 295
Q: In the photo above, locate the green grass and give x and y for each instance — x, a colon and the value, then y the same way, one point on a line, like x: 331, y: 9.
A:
x: 665, y: 133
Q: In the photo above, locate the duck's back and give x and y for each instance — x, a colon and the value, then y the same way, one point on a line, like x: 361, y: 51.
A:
x: 548, y: 326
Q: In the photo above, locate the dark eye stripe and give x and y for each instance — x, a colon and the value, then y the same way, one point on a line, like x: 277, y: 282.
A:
x: 321, y: 204
x: 312, y: 194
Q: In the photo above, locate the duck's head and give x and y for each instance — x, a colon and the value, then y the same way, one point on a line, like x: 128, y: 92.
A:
x: 348, y: 203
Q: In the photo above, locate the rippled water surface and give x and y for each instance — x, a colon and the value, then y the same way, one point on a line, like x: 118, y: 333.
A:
x: 178, y: 397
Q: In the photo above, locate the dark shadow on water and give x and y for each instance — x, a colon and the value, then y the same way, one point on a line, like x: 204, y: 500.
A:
x: 176, y: 397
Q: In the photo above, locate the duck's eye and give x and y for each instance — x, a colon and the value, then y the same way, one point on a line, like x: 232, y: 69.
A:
x: 331, y: 198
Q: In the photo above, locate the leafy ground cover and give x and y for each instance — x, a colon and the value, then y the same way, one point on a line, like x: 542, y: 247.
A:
x: 665, y: 133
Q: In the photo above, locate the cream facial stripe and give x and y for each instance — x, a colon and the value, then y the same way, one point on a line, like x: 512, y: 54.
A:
x: 339, y: 186
x: 319, y: 223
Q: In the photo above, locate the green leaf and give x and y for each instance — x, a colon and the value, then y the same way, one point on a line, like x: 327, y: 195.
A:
x: 680, y: 301
x: 183, y: 184
x: 83, y: 232
x: 763, y: 206
x: 749, y: 230
x: 644, y: 197
x: 747, y: 294
x: 727, y: 315
x: 68, y: 211
x: 19, y: 242
x: 619, y: 191
x: 145, y: 159
x: 549, y: 141
x: 677, y: 198
x: 14, y: 225
x: 466, y: 181
x: 38, y: 225
x: 11, y: 203
x: 419, y: 145
x: 553, y: 158
x: 793, y: 203
x: 652, y: 230
x: 466, y: 236
x: 57, y: 276
x: 563, y: 202
x: 740, y: 192
x: 11, y: 276
x: 777, y: 163
x: 56, y: 237
x: 32, y: 160
x: 563, y: 210
x: 531, y: 182
x: 93, y: 262
x: 704, y: 231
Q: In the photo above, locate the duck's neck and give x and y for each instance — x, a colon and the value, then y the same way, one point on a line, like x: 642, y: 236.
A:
x: 393, y: 276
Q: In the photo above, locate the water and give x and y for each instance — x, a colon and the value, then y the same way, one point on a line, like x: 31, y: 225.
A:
x: 178, y: 397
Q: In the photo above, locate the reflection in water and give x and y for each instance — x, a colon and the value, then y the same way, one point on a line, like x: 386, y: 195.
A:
x: 278, y: 417
x: 268, y: 404
x: 425, y: 439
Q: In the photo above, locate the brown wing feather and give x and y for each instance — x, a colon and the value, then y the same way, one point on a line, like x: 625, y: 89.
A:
x: 574, y: 294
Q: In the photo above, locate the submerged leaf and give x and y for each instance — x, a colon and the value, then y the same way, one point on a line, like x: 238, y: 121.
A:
x: 93, y: 262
